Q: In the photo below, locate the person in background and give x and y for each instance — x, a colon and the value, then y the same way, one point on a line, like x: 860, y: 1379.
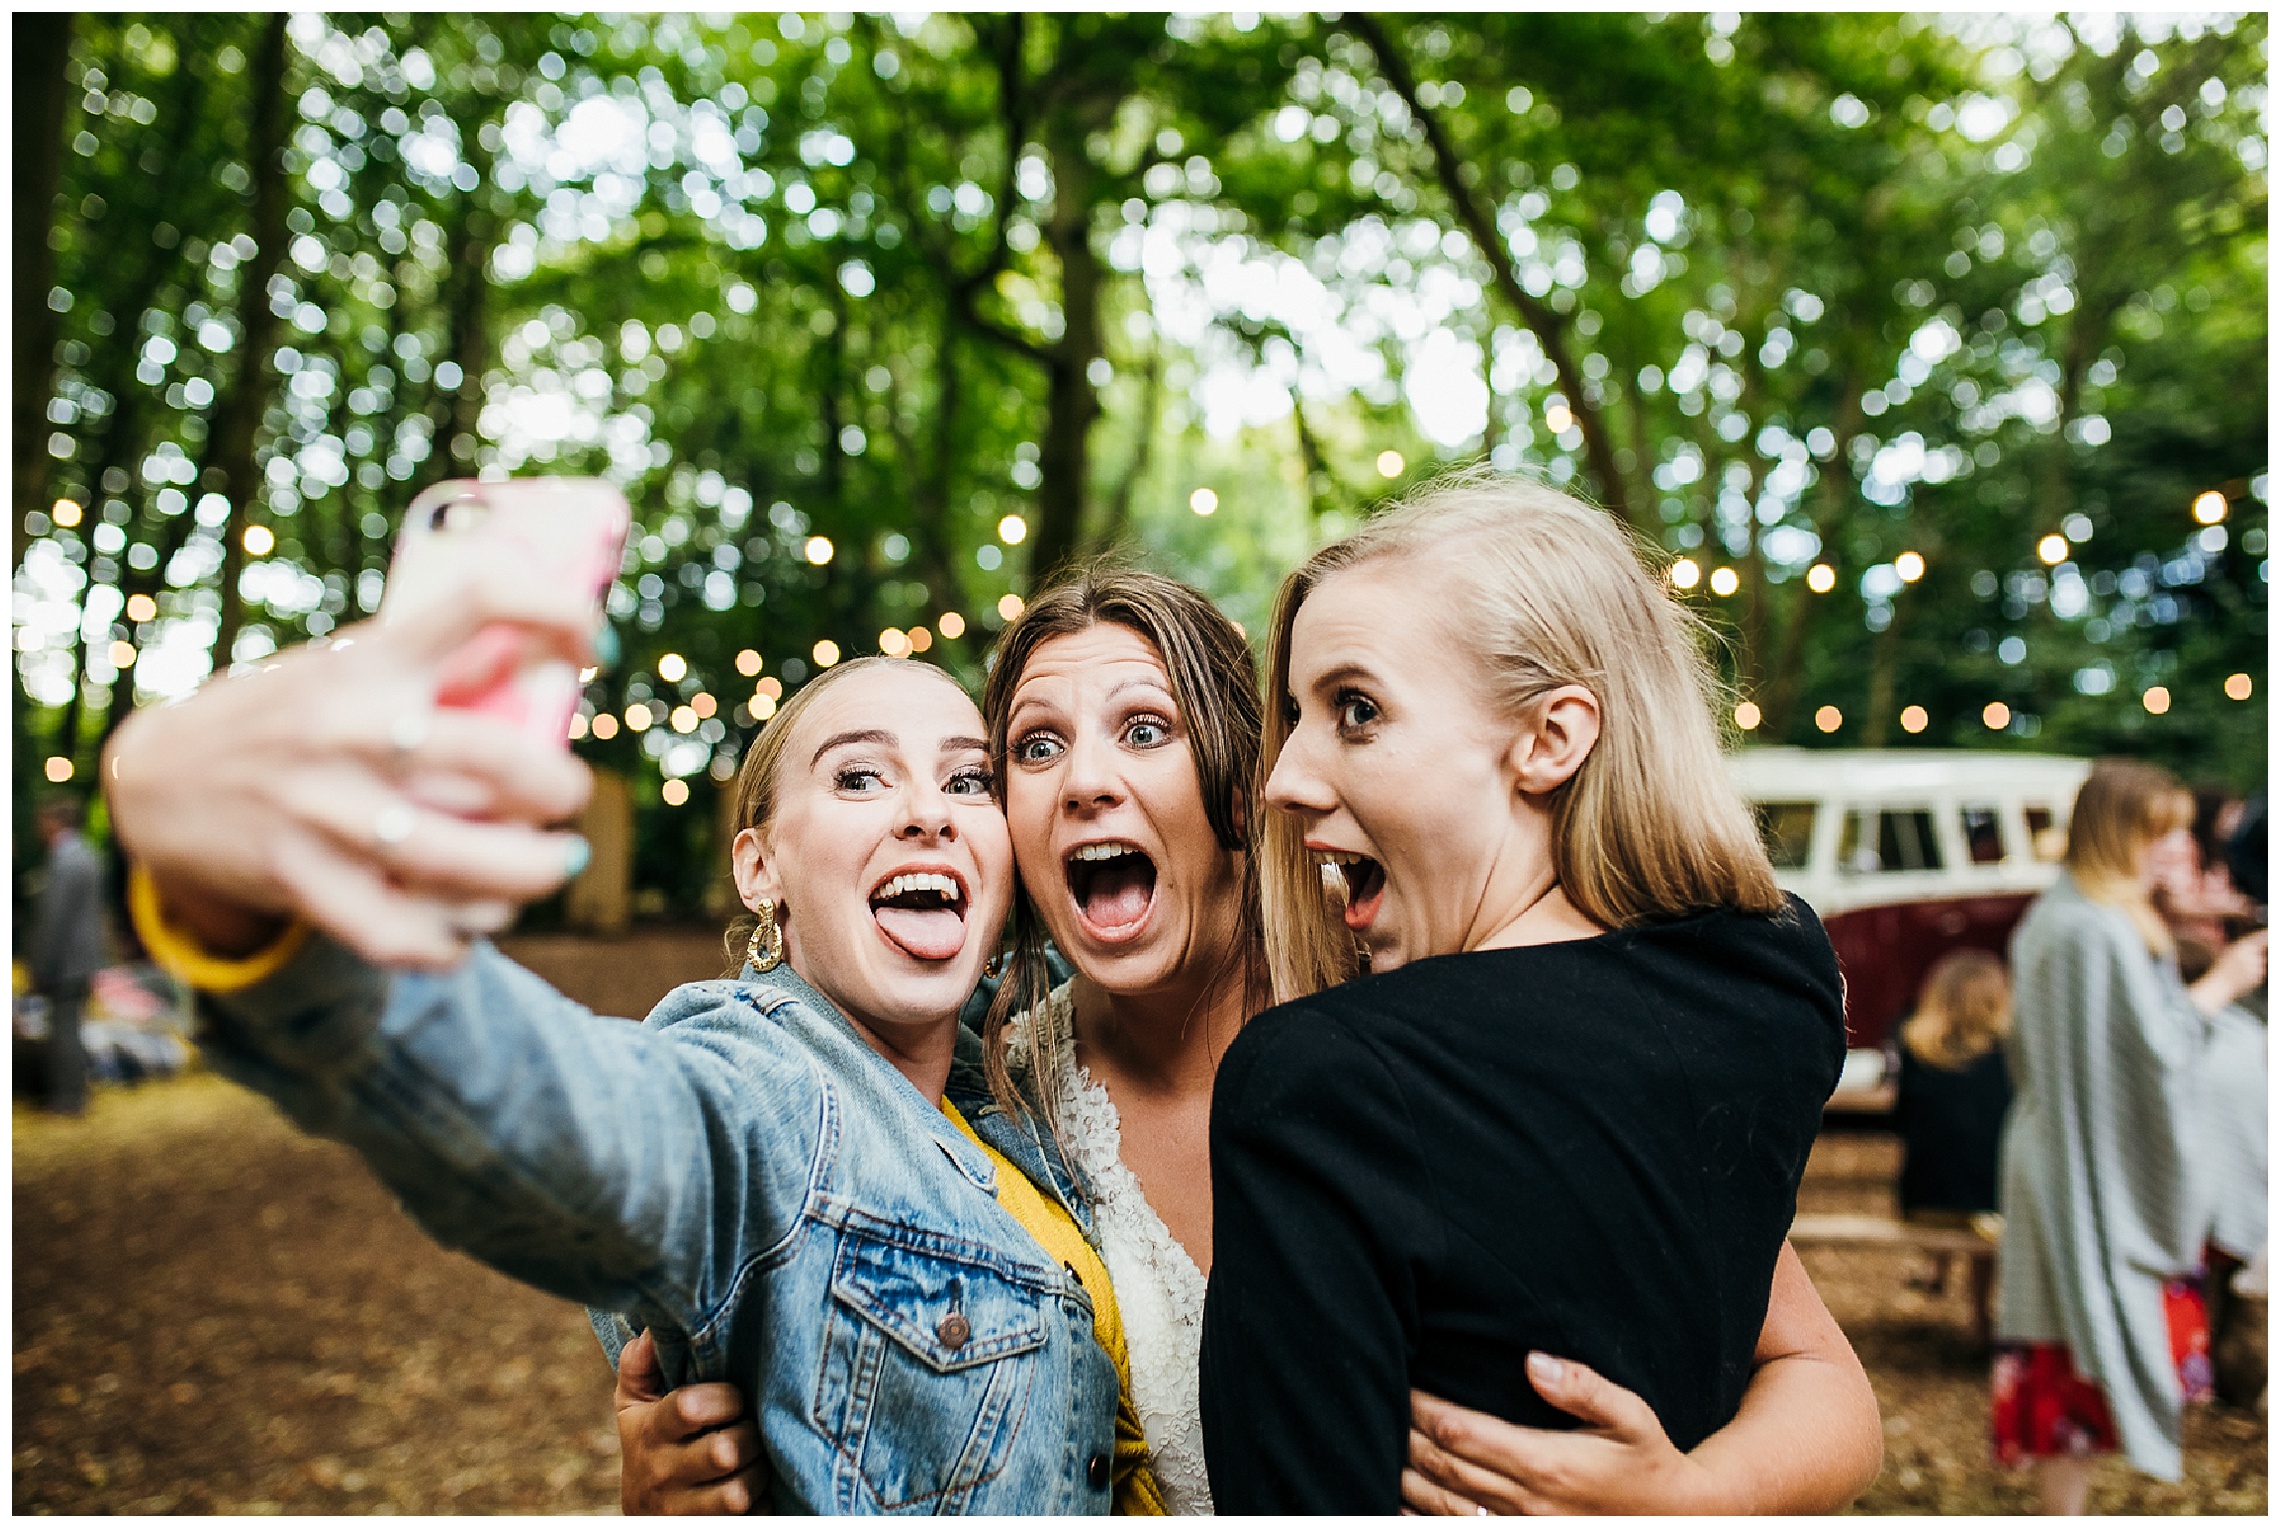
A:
x: 68, y: 946
x: 1955, y: 1088
x: 2102, y: 1335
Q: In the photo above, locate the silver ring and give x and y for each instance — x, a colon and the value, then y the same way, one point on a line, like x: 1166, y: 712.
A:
x: 394, y: 824
x: 1480, y: 1511
x: 408, y: 733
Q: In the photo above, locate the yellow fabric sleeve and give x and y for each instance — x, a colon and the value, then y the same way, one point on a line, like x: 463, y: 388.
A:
x: 183, y: 957
x: 1137, y: 1493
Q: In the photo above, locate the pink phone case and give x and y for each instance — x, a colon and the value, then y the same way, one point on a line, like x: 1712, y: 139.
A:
x: 567, y: 531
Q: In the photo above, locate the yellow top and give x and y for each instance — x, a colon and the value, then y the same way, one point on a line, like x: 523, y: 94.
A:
x: 182, y: 956
x: 1043, y: 1217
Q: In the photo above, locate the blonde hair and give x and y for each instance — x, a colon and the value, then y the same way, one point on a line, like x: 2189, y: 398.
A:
x: 2121, y: 809
x: 757, y: 777
x: 1545, y: 591
x: 1964, y: 1013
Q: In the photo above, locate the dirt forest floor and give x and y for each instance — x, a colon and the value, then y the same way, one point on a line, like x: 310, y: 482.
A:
x: 214, y: 1313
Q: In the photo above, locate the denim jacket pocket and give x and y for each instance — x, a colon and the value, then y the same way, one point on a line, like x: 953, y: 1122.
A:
x: 927, y: 1367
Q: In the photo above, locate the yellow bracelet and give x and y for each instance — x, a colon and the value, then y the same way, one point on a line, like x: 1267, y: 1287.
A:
x: 183, y: 957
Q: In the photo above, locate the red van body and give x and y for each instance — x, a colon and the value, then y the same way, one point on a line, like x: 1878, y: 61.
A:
x: 1908, y: 854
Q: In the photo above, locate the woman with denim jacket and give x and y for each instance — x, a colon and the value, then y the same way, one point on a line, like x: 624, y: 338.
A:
x: 1125, y: 727
x: 812, y: 1144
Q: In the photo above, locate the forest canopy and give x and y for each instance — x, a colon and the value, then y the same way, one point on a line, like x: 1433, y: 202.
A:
x: 1928, y: 356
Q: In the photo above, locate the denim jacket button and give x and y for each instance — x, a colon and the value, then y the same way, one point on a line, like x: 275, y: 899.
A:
x: 1097, y: 1472
x: 954, y: 1330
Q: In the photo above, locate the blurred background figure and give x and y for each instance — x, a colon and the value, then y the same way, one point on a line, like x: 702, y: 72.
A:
x: 2208, y: 909
x: 2104, y: 1334
x: 68, y: 945
x: 1955, y: 1088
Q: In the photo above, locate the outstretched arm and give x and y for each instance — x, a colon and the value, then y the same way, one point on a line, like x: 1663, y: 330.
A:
x: 1808, y: 1438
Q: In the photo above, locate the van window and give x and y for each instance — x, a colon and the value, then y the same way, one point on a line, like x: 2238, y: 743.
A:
x: 1787, y: 828
x: 1888, y: 840
x: 1983, y: 835
x: 2044, y: 835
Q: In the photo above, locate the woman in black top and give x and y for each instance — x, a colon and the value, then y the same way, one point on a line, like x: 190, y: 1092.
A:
x: 1955, y: 1087
x: 1570, y: 1110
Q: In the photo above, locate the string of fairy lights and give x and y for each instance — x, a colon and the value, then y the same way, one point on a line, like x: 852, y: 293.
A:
x: 2210, y: 510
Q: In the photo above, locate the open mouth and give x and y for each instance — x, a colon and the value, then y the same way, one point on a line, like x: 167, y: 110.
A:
x: 1363, y: 881
x: 1114, y: 887
x: 922, y: 913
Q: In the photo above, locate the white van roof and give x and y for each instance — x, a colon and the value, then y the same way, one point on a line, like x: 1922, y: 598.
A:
x: 1811, y: 774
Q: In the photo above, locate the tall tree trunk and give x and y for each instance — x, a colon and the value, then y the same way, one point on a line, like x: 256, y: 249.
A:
x: 1117, y: 519
x: 1071, y: 405
x: 43, y: 48
x: 1551, y: 328
x: 237, y: 420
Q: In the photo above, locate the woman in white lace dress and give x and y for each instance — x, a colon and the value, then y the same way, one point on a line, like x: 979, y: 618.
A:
x: 1124, y: 718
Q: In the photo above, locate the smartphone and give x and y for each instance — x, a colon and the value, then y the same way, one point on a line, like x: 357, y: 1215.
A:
x: 567, y: 531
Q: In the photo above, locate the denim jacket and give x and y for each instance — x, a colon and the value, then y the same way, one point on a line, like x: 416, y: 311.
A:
x: 742, y: 1174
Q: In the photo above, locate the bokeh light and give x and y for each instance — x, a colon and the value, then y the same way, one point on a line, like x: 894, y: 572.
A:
x: 1909, y: 565
x: 2208, y: 509
x: 1820, y: 578
x: 1828, y: 718
x: 1203, y: 501
x: 1747, y: 716
x: 952, y: 624
x: 1724, y: 581
x: 675, y: 792
x: 2157, y: 700
x: 2239, y: 687
x: 1996, y: 715
x: 825, y: 652
x: 1914, y: 719
x: 1685, y: 573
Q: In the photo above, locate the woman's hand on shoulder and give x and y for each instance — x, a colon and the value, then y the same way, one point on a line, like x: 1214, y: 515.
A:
x: 327, y: 785
x: 1466, y: 1463
x: 682, y: 1452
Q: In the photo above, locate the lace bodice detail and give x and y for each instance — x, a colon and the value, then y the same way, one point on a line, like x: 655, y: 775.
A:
x: 1159, y: 1289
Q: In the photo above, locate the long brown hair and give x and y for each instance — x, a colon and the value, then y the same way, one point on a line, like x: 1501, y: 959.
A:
x: 1545, y: 591
x: 1964, y: 1013
x: 2122, y: 808
x: 1215, y: 685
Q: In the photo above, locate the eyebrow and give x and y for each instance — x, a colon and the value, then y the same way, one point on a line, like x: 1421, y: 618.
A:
x: 1339, y: 675
x: 879, y: 737
x: 874, y: 735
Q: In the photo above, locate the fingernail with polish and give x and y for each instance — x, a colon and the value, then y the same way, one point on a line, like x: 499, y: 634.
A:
x: 580, y: 855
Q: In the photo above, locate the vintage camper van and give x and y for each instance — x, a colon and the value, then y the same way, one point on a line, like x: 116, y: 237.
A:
x: 1908, y: 854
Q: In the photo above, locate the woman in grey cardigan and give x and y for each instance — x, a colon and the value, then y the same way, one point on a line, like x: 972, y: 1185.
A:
x: 2104, y: 1213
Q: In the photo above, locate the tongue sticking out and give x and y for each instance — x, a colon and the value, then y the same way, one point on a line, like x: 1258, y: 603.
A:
x: 928, y: 933
x: 1116, y: 892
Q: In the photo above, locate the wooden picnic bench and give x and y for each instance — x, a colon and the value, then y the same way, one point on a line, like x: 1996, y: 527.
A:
x: 1858, y: 1232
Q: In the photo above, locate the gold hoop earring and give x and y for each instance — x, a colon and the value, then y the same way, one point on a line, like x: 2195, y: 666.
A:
x: 766, y: 950
x: 994, y: 967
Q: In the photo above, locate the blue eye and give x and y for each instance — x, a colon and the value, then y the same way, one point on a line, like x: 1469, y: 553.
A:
x: 851, y: 780
x: 1146, y: 733
x: 1037, y: 748
x: 969, y: 782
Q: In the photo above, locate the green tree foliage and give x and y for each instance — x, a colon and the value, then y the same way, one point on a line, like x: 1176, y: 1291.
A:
x: 1909, y: 345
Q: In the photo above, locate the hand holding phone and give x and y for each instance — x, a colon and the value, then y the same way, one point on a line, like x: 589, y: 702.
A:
x: 568, y: 532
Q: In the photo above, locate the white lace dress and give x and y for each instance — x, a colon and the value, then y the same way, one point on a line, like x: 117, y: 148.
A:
x: 1159, y: 1289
